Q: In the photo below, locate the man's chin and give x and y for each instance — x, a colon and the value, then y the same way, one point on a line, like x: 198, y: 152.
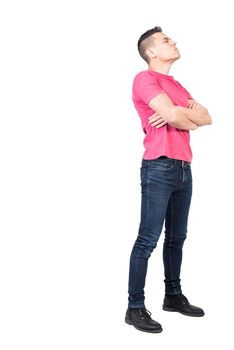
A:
x: 177, y: 57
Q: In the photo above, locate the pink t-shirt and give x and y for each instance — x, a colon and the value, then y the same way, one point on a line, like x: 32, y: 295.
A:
x: 167, y: 140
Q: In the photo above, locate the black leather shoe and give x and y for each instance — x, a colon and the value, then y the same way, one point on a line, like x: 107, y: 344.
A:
x: 141, y: 320
x: 181, y: 304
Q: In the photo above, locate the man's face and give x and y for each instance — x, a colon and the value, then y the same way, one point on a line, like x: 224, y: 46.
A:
x: 165, y: 47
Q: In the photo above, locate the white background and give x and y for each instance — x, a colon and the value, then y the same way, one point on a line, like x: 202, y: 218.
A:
x: 71, y: 145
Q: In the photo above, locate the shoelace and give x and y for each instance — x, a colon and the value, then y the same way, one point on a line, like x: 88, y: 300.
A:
x: 144, y: 313
x: 182, y: 299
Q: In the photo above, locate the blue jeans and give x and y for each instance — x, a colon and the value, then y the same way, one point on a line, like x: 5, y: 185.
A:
x: 166, y: 190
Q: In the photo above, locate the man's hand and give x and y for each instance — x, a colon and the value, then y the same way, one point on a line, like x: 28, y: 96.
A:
x: 157, y: 120
x: 192, y: 104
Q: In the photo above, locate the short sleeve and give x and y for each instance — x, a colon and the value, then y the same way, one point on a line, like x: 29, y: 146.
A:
x: 146, y: 87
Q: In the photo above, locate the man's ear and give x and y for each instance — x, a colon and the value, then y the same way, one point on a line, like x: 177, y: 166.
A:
x: 151, y: 52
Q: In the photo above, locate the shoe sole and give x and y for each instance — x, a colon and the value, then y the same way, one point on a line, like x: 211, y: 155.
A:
x: 142, y: 330
x: 166, y: 308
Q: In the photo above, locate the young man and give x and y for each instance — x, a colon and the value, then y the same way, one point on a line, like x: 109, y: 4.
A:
x: 167, y: 113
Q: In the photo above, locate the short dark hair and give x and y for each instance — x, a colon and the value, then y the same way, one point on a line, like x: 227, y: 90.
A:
x: 143, y: 43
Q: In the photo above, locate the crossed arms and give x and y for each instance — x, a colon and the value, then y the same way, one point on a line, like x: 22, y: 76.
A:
x: 179, y: 117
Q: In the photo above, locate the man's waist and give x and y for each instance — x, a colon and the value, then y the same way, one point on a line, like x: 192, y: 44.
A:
x: 180, y: 162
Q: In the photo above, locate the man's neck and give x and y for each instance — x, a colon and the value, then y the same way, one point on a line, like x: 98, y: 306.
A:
x: 160, y: 68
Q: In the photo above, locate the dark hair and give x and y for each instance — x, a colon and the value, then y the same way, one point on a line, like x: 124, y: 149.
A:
x: 143, y: 43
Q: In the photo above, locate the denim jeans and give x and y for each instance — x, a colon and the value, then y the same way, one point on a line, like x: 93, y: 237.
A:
x: 166, y: 190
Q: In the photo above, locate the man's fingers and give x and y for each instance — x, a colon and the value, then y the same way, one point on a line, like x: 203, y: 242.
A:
x: 196, y: 105
x: 192, y: 105
x: 160, y: 125
x: 157, y: 122
x: 154, y: 118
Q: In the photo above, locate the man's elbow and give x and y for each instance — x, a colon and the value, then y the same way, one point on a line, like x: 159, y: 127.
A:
x: 209, y: 121
x: 205, y: 117
x: 208, y: 118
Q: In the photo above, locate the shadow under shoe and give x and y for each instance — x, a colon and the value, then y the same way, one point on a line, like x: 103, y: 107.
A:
x: 181, y: 304
x: 141, y: 319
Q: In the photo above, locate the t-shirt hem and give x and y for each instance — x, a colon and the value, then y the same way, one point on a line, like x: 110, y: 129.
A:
x: 174, y: 156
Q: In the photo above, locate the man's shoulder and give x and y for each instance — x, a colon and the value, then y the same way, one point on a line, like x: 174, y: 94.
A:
x: 143, y: 77
x: 141, y: 74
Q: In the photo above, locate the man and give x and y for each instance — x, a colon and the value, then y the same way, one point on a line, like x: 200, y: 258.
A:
x: 167, y: 113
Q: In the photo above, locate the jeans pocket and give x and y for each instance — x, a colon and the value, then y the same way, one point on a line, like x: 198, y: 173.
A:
x: 144, y: 173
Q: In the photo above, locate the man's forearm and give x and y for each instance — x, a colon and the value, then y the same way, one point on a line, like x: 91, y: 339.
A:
x: 199, y: 116
x: 181, y: 121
